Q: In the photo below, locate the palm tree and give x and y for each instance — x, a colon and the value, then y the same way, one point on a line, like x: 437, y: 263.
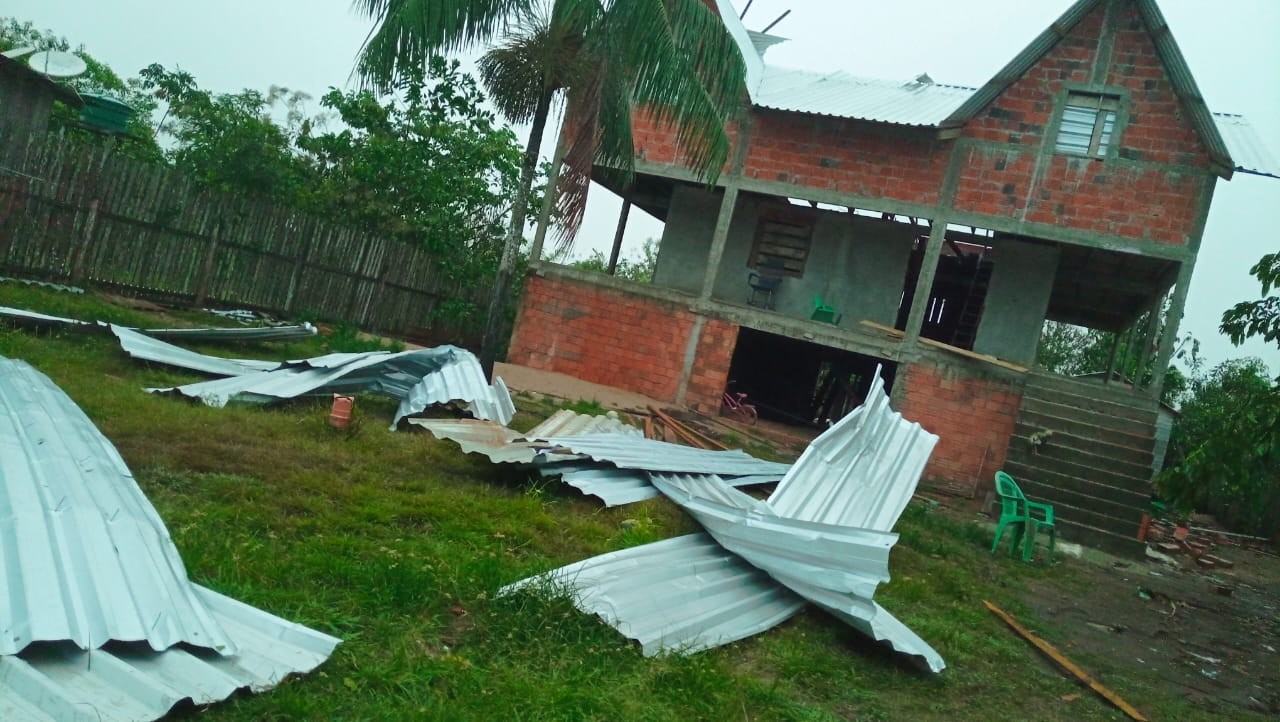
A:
x: 675, y: 58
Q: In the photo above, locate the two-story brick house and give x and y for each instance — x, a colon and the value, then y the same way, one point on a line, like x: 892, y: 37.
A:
x: 932, y: 230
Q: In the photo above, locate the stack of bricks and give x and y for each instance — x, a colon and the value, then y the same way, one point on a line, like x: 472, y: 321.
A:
x: 629, y: 341
x: 973, y: 416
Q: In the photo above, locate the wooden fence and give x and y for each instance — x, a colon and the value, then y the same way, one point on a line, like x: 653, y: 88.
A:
x: 77, y: 213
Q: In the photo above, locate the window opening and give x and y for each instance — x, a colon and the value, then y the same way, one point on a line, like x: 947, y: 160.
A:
x: 1088, y: 124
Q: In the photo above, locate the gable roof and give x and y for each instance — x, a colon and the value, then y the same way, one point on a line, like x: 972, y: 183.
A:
x: 1184, y: 85
x: 1230, y: 140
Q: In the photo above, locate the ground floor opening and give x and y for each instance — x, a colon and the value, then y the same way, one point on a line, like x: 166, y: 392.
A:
x: 799, y: 382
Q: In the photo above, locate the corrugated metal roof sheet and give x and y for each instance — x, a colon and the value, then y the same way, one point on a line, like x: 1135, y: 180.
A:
x: 841, y: 95
x: 144, y: 347
x: 86, y: 557
x: 234, y: 333
x: 824, y: 533
x: 861, y: 472
x: 96, y: 597
x: 1248, y: 151
x: 60, y: 683
x: 629, y: 452
x: 418, y: 378
x: 31, y: 318
x: 680, y: 595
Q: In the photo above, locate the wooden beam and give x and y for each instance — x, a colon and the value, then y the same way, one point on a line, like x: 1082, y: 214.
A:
x: 986, y: 358
x: 1066, y: 664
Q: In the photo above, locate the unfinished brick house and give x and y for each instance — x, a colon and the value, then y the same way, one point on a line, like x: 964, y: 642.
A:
x: 932, y: 230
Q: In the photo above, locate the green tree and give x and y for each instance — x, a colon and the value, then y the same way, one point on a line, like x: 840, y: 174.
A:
x: 639, y: 269
x: 431, y: 167
x: 229, y: 141
x: 1226, y: 448
x: 1073, y: 350
x: 1260, y: 317
x: 99, y: 79
x: 673, y: 57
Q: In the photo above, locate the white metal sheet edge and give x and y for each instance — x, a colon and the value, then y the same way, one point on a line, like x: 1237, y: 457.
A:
x: 86, y: 557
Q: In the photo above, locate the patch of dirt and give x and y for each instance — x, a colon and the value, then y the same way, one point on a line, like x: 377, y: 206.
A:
x: 1212, y: 636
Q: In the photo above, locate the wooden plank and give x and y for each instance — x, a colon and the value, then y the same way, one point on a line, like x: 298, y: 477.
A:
x: 1066, y: 664
x: 986, y: 358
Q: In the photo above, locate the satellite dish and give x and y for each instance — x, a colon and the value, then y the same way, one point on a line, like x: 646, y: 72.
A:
x: 15, y: 53
x: 57, y: 64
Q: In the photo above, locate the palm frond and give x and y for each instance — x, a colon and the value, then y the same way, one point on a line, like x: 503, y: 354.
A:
x: 539, y: 55
x: 407, y: 32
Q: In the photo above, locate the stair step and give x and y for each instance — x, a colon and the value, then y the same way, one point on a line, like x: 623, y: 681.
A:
x: 1035, y: 466
x: 1091, y: 510
x: 1081, y: 421
x: 1125, y: 545
x: 1051, y: 455
x: 1119, y: 392
x: 1104, y: 446
x: 1106, y: 406
x: 1137, y: 498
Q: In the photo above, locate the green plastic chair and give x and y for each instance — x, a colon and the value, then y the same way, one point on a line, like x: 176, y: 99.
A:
x: 1016, y: 509
x: 824, y: 313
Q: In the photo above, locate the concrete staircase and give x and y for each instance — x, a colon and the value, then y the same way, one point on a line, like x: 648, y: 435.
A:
x: 1095, y: 466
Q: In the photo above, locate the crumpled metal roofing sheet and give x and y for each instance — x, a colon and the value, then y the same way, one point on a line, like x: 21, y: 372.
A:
x: 1248, y: 151
x: 126, y: 683
x: 616, y: 487
x: 842, y: 95
x: 459, y: 378
x: 31, y: 318
x: 861, y: 472
x: 632, y: 452
x: 507, y: 446
x: 679, y: 595
x: 864, y: 469
x: 86, y: 557
x: 443, y: 373
x: 234, y: 333
x: 97, y: 598
x: 144, y: 347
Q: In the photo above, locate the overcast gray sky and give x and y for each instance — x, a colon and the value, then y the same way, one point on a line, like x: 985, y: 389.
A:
x: 1231, y: 45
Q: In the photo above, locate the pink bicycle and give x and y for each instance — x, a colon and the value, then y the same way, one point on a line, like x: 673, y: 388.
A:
x: 734, y: 402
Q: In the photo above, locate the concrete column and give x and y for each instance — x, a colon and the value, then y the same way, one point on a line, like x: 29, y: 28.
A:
x: 1148, y: 337
x: 1170, y: 335
x: 924, y: 283
x: 718, y: 238
x: 548, y: 200
x: 1111, y: 357
x: 620, y: 232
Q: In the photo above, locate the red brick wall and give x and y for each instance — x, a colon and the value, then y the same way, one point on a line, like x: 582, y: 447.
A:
x: 972, y: 415
x: 1146, y: 203
x: 828, y: 153
x: 629, y: 341
x: 847, y: 156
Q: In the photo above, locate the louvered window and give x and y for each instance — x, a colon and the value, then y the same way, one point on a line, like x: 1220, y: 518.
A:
x: 782, y: 242
x: 1088, y: 124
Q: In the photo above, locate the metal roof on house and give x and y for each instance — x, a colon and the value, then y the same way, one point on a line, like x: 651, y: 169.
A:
x: 1247, y: 148
x: 919, y: 102
x: 1229, y: 140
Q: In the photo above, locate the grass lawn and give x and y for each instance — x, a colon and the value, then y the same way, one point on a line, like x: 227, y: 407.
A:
x: 397, y: 543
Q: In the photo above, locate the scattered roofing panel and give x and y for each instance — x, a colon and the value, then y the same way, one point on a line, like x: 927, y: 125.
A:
x: 31, y: 318
x: 630, y: 452
x: 87, y: 558
x: 418, y: 378
x: 100, y: 620
x: 824, y: 533
x: 235, y: 333
x: 680, y: 595
x: 58, y: 682
x: 919, y: 102
x: 507, y: 446
x: 144, y: 347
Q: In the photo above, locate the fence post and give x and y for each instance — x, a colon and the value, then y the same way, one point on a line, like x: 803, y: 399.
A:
x: 206, y: 269
x: 300, y: 267
x: 82, y: 249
